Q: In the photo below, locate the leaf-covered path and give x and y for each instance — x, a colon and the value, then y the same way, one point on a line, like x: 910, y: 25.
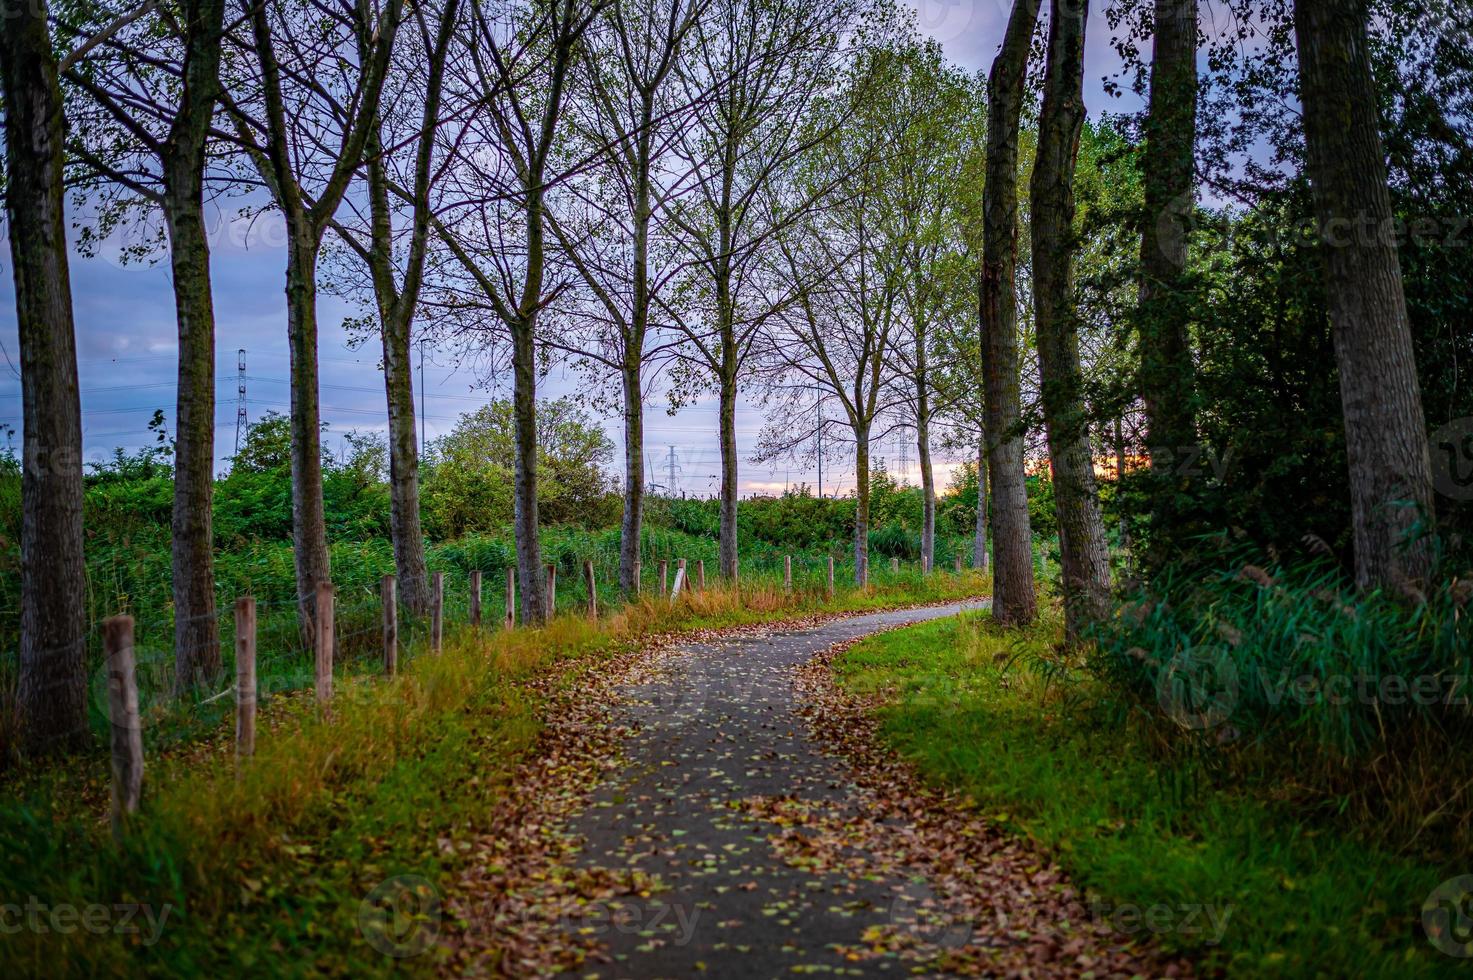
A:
x: 733, y: 832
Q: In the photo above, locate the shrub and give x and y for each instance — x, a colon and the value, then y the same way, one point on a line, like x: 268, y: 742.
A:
x: 894, y: 541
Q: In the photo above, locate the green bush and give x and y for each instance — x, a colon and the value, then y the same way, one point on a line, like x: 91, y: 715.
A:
x: 894, y: 541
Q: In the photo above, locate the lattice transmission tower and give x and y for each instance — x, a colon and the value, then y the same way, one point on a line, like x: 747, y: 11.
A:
x: 242, y: 422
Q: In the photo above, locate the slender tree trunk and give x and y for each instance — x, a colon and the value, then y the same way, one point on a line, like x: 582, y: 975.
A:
x: 730, y: 362
x: 1385, y: 431
x: 928, y: 500
x: 309, y: 523
x: 305, y: 225
x: 1014, y: 601
x: 861, y: 507
x: 404, y: 521
x: 396, y: 319
x: 728, y: 542
x: 53, y: 687
x: 196, y: 631
x: 633, y: 522
x: 979, y: 542
x: 524, y: 404
x: 1084, y: 559
x: 1165, y: 301
x: 629, y: 528
x: 524, y: 416
x: 923, y: 445
x: 397, y: 306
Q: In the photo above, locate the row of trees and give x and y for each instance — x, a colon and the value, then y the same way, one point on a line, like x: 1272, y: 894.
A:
x: 509, y: 168
x: 1386, y: 438
x: 798, y: 197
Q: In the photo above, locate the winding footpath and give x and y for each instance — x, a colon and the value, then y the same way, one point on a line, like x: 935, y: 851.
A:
x: 730, y: 833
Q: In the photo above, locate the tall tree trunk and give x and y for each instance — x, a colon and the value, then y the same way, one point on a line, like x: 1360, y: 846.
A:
x: 1014, y: 601
x: 524, y: 415
x: 305, y: 224
x: 309, y: 522
x: 396, y: 318
x: 1083, y: 556
x: 633, y: 522
x: 979, y: 542
x: 923, y: 445
x: 727, y: 550
x: 1385, y: 431
x: 524, y: 404
x: 196, y: 631
x: 53, y: 686
x: 1165, y: 301
x: 629, y: 527
x: 404, y: 522
x: 397, y: 308
x: 861, y: 507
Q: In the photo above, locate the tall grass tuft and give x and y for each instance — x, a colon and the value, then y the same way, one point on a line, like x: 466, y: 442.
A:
x: 1354, y: 700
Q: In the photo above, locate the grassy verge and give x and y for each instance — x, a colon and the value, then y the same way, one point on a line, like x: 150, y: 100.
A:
x: 1160, y: 846
x: 267, y: 869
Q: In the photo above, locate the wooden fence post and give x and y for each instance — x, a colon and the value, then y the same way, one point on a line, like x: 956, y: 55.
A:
x: 122, y: 708
x: 437, y: 612
x: 592, y: 590
x: 958, y: 562
x: 894, y: 566
x: 551, y: 590
x: 476, y: 599
x: 638, y: 571
x: 664, y: 576
x: 325, y: 641
x: 788, y: 573
x: 831, y: 576
x: 511, y: 598
x: 389, y: 596
x: 245, y: 678
x: 701, y: 574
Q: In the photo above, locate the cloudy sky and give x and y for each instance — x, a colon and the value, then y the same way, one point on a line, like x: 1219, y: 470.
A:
x: 126, y: 331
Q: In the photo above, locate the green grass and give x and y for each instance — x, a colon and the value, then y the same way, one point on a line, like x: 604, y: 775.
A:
x: 266, y: 871
x: 1033, y: 742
